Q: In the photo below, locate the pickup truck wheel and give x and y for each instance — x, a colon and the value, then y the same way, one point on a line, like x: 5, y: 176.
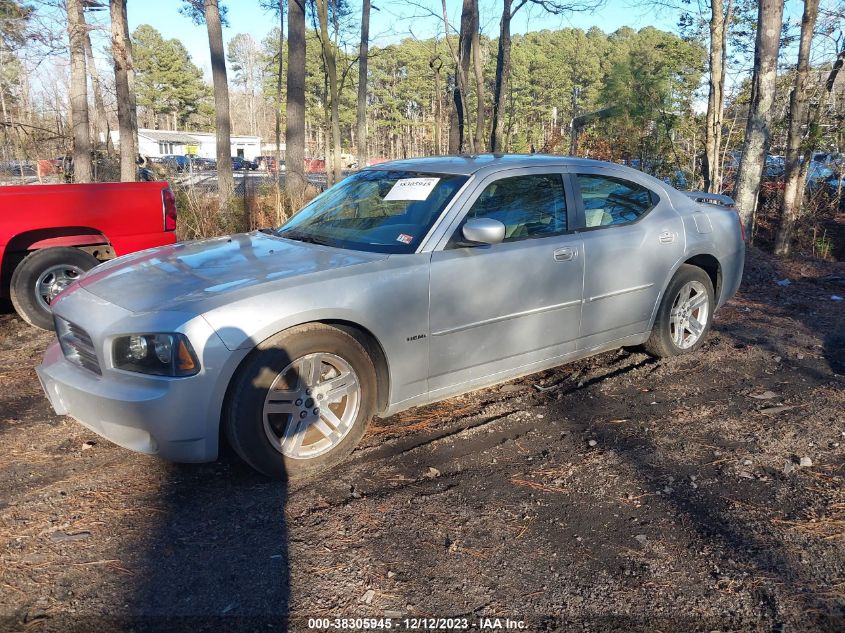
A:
x: 685, y: 314
x: 41, y: 276
x: 301, y: 401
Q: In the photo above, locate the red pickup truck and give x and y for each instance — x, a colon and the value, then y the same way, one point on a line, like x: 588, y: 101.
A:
x: 51, y: 234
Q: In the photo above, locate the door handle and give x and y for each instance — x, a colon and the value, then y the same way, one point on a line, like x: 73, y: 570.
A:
x: 565, y: 254
x: 667, y: 237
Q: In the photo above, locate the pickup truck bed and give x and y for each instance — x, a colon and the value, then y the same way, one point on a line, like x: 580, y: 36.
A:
x: 51, y: 234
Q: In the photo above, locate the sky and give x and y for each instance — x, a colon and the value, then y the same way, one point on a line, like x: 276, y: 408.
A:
x: 392, y: 20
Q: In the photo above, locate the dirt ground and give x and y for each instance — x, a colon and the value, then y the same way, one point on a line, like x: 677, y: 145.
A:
x: 618, y: 493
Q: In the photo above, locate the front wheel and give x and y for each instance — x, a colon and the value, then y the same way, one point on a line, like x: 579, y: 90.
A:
x: 41, y: 276
x: 301, y: 401
x: 685, y: 314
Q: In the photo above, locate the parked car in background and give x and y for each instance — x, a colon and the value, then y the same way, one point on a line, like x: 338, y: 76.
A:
x: 176, y: 163
x: 404, y: 284
x: 268, y: 163
x: 242, y: 164
x: 204, y: 164
x: 18, y: 168
x: 51, y: 234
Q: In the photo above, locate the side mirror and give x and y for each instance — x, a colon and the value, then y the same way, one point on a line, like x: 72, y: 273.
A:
x: 483, y: 231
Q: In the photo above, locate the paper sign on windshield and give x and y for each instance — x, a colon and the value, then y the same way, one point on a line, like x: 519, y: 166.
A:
x: 412, y: 189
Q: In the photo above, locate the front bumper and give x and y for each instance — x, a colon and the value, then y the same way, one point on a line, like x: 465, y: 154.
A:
x: 177, y: 419
x: 152, y: 419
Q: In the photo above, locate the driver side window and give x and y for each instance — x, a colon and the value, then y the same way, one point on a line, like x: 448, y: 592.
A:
x: 529, y: 206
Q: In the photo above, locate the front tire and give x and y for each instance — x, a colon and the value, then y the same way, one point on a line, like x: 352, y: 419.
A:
x: 301, y: 401
x: 41, y: 276
x: 685, y: 314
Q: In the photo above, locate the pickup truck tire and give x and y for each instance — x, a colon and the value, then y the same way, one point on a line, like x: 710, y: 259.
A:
x: 41, y: 276
x: 287, y: 388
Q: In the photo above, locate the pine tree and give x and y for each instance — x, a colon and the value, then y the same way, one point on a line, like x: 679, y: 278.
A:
x: 167, y: 82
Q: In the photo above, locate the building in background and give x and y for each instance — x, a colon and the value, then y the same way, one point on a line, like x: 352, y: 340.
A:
x: 157, y: 143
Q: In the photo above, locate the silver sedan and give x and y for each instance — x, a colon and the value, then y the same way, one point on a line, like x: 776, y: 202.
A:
x: 407, y: 283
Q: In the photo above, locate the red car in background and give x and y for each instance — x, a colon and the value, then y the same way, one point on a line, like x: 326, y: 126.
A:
x: 51, y: 234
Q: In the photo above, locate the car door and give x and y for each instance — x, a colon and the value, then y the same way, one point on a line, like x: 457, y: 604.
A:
x: 632, y: 237
x: 494, y: 308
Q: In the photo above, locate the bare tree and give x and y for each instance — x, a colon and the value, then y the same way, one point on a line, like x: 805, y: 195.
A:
x: 124, y: 81
x: 79, y: 93
x: 461, y: 58
x: 478, y: 71
x: 330, y: 64
x: 278, y: 122
x: 719, y: 21
x: 243, y: 57
x: 209, y: 11
x: 435, y: 63
x: 223, y: 122
x: 101, y: 121
x: 503, y: 57
x: 756, y: 144
x: 503, y: 73
x: 798, y: 142
x: 295, y: 105
x: 361, y: 114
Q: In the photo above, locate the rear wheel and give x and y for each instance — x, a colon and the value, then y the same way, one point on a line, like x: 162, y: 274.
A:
x: 301, y: 402
x: 41, y: 276
x: 685, y: 314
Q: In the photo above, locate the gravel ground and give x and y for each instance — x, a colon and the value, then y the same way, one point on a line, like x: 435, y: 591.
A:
x: 617, y: 493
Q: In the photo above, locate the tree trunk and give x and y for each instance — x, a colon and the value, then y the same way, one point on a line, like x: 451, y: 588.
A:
x: 795, y: 172
x: 124, y: 82
x: 78, y: 93
x: 465, y: 56
x: 478, y: 70
x: 278, y: 131
x: 503, y: 71
x: 716, y: 97
x: 361, y: 116
x: 225, y: 179
x: 461, y: 58
x: 295, y: 108
x: 101, y: 120
x: 330, y: 61
x: 756, y: 144
x: 436, y: 64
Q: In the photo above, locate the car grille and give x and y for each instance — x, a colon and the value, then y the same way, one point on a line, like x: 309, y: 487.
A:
x: 77, y: 345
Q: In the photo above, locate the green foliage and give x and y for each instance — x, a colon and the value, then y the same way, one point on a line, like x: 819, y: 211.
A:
x: 649, y: 77
x: 652, y: 80
x: 195, y: 9
x: 14, y: 17
x: 166, y: 80
x: 14, y: 20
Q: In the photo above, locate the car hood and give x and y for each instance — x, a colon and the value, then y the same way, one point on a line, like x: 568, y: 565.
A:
x: 211, y: 271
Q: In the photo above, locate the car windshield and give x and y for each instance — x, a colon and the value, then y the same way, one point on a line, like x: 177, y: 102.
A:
x: 383, y: 211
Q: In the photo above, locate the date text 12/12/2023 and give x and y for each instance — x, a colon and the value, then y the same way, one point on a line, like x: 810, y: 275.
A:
x: 417, y: 624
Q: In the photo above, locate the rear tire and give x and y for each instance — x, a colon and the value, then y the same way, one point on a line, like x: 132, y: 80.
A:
x: 41, y: 276
x: 278, y: 417
x: 685, y: 314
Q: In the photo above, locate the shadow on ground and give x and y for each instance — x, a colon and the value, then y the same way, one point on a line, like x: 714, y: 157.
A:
x: 218, y: 559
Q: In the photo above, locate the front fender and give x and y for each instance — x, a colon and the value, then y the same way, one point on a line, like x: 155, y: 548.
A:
x: 388, y: 299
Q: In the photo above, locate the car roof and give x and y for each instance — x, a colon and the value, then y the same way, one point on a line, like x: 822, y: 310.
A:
x: 474, y: 163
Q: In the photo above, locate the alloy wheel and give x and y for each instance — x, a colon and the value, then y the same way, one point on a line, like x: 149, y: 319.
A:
x: 311, y: 405
x: 689, y: 314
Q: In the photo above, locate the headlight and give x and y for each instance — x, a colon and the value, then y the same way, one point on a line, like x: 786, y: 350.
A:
x: 158, y: 354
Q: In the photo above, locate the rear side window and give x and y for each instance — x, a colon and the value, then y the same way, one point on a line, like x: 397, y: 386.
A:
x: 529, y: 206
x: 609, y: 201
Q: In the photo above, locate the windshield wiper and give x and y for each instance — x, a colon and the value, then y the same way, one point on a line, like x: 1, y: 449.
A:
x: 299, y: 236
